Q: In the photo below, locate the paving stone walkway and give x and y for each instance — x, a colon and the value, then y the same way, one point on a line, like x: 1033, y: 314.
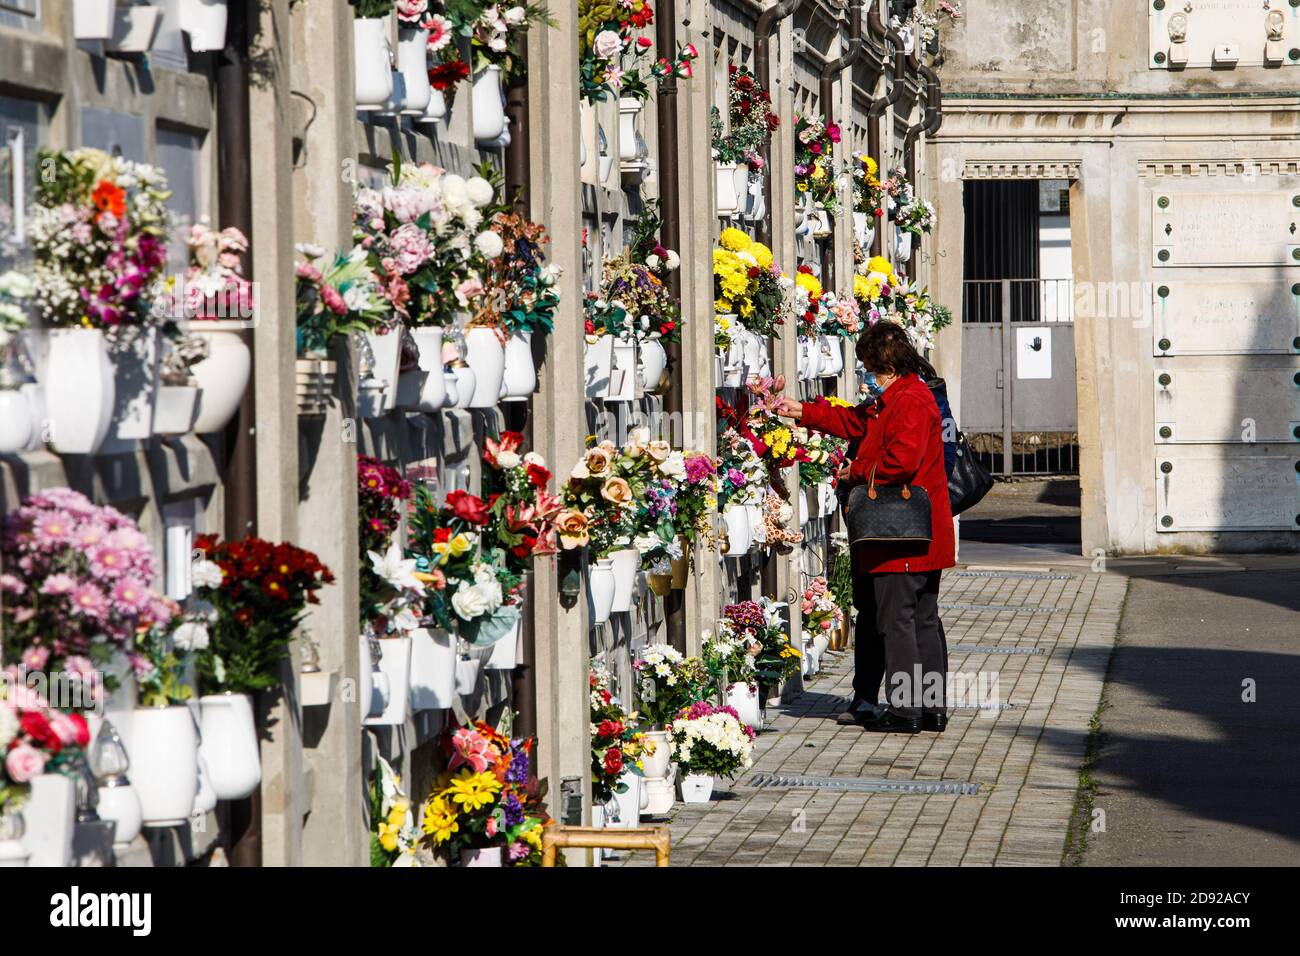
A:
x: 1025, y: 755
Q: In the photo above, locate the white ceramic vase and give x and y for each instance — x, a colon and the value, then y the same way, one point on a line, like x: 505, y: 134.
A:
x: 433, y: 388
x: 488, y: 105
x: 228, y: 744
x: 625, y: 563
x: 600, y: 590
x: 753, y: 347
x: 371, y: 698
x: 205, y: 22
x: 629, y: 107
x: 93, y: 19
x: 371, y: 56
x: 413, y: 64
x: 386, y: 350
x: 832, y: 356
x: 436, y: 111
x: 485, y: 354
x: 520, y: 378
x: 15, y: 420
x: 757, y: 526
x: 654, y: 360
x: 464, y: 379
x: 902, y: 247
x: 205, y: 800
x: 50, y: 817
x: 743, y: 697
x: 467, y: 674
x: 164, y: 763
x: 657, y: 764
x: 598, y: 365
x: 491, y: 856
x: 395, y: 666
x: 119, y: 803
x: 739, y: 533
x: 433, y: 670
x: 726, y: 199
x: 504, y: 654
x: 135, y: 356
x: 222, y: 376
x: 79, y: 390
x: 630, y: 801
x: 805, y: 512
x: 697, y: 788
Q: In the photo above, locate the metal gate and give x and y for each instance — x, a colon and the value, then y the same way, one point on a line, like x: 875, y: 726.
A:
x: 1018, y: 403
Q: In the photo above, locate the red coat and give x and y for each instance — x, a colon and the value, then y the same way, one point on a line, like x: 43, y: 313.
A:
x: 901, y: 434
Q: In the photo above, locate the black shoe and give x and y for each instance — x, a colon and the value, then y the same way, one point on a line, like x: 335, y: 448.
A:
x: 892, y: 723
x: 936, y: 721
x: 857, y: 712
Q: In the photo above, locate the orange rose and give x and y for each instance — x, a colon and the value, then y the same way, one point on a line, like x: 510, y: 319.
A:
x: 617, y: 491
x: 597, y: 460
x: 572, y: 526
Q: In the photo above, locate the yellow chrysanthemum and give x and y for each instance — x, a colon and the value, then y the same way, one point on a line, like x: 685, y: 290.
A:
x: 746, y: 309
x: 724, y: 323
x: 722, y: 307
x: 836, y: 402
x: 869, y: 164
x: 809, y: 283
x: 762, y: 255
x: 735, y: 239
x: 879, y: 264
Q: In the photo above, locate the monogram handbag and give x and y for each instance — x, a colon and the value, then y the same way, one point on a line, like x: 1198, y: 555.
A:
x: 884, y: 513
x: 969, y: 481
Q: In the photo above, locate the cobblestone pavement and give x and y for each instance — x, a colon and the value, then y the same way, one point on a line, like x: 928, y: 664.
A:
x: 1025, y: 756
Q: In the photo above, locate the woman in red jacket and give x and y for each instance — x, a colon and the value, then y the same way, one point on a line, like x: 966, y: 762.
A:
x: 896, y: 586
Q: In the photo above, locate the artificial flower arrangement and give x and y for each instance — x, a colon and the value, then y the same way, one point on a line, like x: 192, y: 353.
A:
x: 730, y: 655
x: 647, y: 251
x: 213, y: 286
x: 742, y: 473
x: 342, y: 298
x: 613, y: 60
x: 34, y: 739
x: 98, y: 236
x: 776, y: 441
x: 667, y: 681
x: 519, y: 287
x: 723, y: 331
x: 841, y: 316
x: 823, y: 453
x: 907, y: 211
x: 259, y: 592
x: 697, y: 497
x: 521, y: 509
x: 652, y: 309
x: 603, y: 317
x: 927, y: 24
x: 426, y: 237
x: 390, y: 596
x: 76, y: 590
x: 711, y: 740
x: 747, y: 283
x: 598, y: 489
x: 15, y: 290
x: 819, y: 609
x: 807, y: 301
x: 489, y: 798
x: 616, y: 744
x: 762, y: 621
x: 491, y: 31
x: 883, y: 295
x: 471, y: 590
x: 749, y: 124
x: 868, y: 196
x: 394, y: 836
x: 814, y: 161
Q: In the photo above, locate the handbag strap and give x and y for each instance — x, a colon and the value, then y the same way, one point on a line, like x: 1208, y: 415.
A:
x: 871, y: 486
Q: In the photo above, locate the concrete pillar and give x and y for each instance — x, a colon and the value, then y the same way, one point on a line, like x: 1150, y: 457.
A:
x: 334, y: 834
x: 698, y: 234
x: 564, y: 748
x: 284, y: 801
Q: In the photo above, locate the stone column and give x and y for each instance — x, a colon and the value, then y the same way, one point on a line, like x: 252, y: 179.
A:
x: 698, y: 234
x: 334, y: 833
x: 564, y: 748
x: 284, y: 800
x: 785, y: 361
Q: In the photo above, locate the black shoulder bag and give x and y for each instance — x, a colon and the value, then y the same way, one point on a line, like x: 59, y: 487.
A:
x: 969, y: 481
x: 888, y: 513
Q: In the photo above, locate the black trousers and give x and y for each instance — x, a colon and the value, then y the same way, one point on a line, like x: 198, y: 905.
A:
x: 899, y: 635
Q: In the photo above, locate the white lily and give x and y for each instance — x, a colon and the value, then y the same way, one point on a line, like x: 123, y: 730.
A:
x: 396, y: 570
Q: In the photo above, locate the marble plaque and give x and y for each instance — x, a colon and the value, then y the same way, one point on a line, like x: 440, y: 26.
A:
x: 1224, y: 228
x: 1207, y: 492
x: 1199, y: 317
x: 1235, y: 405
x: 1224, y: 34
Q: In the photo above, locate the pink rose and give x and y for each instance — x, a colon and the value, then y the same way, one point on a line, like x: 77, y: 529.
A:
x: 607, y: 44
x: 23, y: 763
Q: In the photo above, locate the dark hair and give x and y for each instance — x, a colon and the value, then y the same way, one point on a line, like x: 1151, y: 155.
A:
x: 886, y: 347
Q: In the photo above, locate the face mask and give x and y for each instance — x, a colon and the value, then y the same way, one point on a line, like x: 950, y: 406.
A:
x: 872, y: 385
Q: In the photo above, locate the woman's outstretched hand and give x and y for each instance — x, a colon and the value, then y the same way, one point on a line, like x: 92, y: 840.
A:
x: 789, y: 408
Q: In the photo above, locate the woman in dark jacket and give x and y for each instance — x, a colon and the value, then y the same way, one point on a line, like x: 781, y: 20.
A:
x: 900, y: 437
